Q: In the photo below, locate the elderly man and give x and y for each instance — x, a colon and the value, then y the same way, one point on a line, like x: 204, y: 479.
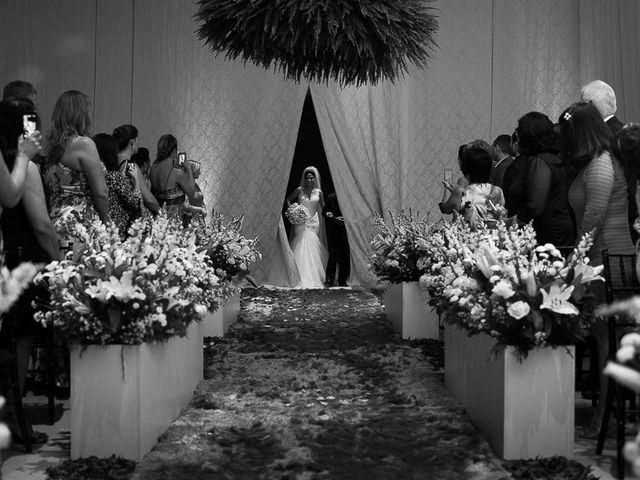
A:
x: 604, y: 98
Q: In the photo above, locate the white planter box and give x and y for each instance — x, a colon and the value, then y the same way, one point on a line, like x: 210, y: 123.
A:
x: 407, y: 311
x: 216, y: 324
x: 524, y: 409
x: 124, y: 396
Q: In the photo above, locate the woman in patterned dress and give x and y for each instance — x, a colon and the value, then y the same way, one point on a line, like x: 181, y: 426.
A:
x: 79, y: 187
x: 125, y: 200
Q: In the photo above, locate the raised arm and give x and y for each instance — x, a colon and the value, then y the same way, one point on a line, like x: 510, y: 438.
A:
x: 453, y: 202
x: 599, y: 179
x: 147, y: 197
x: 35, y: 206
x: 87, y: 154
x: 12, y: 183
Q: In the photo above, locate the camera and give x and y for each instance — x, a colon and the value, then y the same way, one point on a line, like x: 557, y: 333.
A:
x: 29, y: 123
x: 182, y: 157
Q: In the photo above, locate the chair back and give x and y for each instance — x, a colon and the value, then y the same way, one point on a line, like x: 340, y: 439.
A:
x: 621, y: 282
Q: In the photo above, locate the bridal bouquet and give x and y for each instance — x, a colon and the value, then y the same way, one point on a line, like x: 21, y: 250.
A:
x: 146, y: 288
x: 229, y: 253
x: 499, y: 281
x: 297, y: 214
x: 400, y: 251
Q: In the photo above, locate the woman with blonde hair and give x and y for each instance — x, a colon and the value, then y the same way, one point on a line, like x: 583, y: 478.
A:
x: 309, y: 252
x: 79, y: 189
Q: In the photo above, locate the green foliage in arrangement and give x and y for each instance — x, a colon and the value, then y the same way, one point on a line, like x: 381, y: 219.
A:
x: 348, y: 41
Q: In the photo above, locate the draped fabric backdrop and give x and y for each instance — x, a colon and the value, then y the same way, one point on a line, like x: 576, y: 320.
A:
x: 140, y: 62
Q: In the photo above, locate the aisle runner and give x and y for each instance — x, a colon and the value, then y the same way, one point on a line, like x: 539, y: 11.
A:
x: 313, y: 384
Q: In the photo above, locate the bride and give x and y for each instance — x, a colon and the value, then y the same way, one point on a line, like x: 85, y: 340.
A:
x: 308, y: 251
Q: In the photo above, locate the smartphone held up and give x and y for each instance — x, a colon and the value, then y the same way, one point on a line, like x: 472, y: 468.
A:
x: 182, y: 157
x: 29, y: 124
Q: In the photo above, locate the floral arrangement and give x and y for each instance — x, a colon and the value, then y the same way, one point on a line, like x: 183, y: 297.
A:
x: 229, y: 253
x: 626, y: 369
x: 13, y: 282
x: 146, y: 288
x: 297, y: 214
x: 500, y: 281
x: 400, y: 251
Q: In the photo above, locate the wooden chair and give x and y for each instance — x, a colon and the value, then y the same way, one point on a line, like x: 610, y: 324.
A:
x: 620, y: 282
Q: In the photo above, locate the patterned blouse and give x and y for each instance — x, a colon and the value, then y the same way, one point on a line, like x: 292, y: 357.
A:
x: 125, y: 201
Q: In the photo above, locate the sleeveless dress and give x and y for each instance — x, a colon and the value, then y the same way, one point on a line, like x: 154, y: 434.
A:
x: 309, y: 253
x: 475, y: 203
x: 171, y: 200
x: 72, y: 203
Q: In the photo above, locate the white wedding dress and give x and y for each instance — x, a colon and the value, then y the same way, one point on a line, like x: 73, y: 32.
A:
x: 309, y: 252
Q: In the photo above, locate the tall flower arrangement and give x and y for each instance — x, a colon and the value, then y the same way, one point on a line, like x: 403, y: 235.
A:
x: 499, y: 281
x: 148, y: 287
x: 229, y: 253
x: 401, y: 249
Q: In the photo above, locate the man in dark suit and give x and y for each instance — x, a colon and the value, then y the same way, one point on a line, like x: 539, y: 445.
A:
x: 338, y: 243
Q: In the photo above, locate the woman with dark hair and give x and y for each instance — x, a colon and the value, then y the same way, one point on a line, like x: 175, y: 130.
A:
x: 79, y: 188
x: 125, y: 201
x: 475, y: 201
x: 536, y: 184
x: 598, y: 197
x: 171, y: 182
x: 29, y: 236
x: 127, y: 138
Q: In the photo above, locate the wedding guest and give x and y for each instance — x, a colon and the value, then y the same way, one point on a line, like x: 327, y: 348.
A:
x: 127, y: 138
x: 484, y: 145
x: 28, y: 236
x: 477, y: 200
x: 598, y: 197
x: 171, y: 183
x: 502, y: 145
x: 194, y: 207
x: 141, y: 158
x: 337, y: 242
x: 79, y: 189
x: 20, y: 89
x: 125, y: 201
x: 536, y: 183
x: 626, y: 147
x: 604, y: 98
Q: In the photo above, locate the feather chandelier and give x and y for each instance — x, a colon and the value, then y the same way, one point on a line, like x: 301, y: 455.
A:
x: 351, y: 42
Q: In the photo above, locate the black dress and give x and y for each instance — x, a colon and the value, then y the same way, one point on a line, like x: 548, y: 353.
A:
x: 536, y: 189
x: 21, y: 245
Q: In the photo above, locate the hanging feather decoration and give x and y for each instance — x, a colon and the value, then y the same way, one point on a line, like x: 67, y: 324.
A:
x: 351, y: 42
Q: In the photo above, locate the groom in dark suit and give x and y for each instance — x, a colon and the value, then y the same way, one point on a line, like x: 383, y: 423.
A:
x: 338, y: 243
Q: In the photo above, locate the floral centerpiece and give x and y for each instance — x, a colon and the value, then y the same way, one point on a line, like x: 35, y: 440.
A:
x: 400, y: 250
x: 500, y: 281
x: 229, y: 252
x: 146, y: 288
x: 297, y: 214
x: 13, y: 282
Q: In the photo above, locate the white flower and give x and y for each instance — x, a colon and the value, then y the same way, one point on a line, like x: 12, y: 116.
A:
x: 557, y: 300
x: 519, y: 309
x: 503, y: 289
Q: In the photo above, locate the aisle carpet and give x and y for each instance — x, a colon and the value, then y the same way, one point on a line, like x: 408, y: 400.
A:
x: 312, y: 384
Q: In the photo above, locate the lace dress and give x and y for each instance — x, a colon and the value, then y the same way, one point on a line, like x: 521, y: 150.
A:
x: 309, y: 253
x: 171, y: 200
x: 598, y: 197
